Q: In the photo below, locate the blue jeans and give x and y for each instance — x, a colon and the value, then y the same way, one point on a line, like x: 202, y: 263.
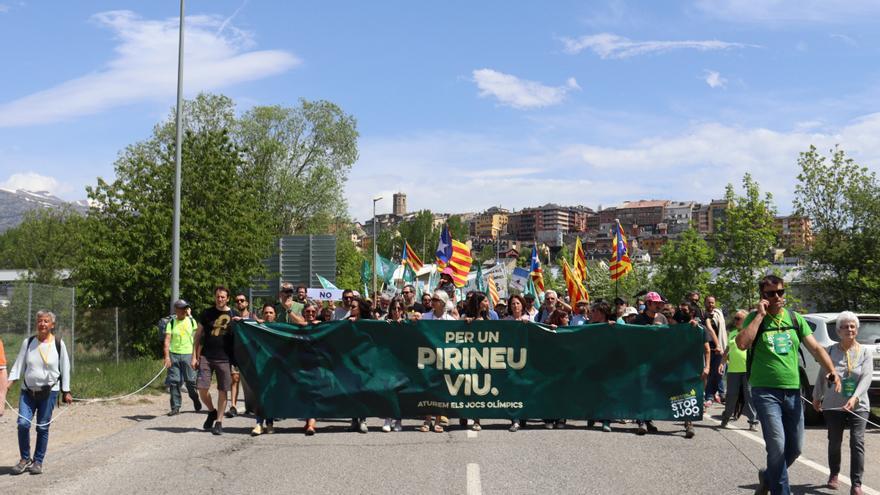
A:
x: 781, y: 415
x: 27, y: 406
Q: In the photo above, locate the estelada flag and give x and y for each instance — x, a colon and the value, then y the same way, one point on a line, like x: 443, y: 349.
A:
x: 409, y: 257
x: 537, y: 274
x: 460, y: 262
x: 493, y: 291
x: 576, y: 290
x: 444, y: 249
x: 620, y: 262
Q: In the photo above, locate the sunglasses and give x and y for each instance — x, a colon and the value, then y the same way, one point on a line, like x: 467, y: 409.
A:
x: 770, y: 293
x: 241, y: 300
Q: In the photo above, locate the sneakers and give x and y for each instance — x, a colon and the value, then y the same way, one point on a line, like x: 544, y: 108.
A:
x: 476, y: 426
x: 217, y: 429
x: 362, y: 426
x: 22, y: 466
x: 753, y: 426
x: 651, y: 427
x: 762, y: 489
x: 606, y: 427
x: 232, y: 412
x: 514, y: 426
x: 358, y: 425
x: 641, y: 429
x: 36, y: 468
x: 270, y: 428
x: 689, y: 430
x: 387, y: 426
x: 833, y: 483
x: 397, y: 425
x: 560, y: 424
x: 209, y: 421
x: 174, y: 412
x: 257, y: 431
x: 549, y: 425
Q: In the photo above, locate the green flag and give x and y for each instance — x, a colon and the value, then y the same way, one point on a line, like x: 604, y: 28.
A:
x: 481, y: 284
x: 366, y: 273
x: 409, y: 276
x: 384, y: 268
x: 326, y: 284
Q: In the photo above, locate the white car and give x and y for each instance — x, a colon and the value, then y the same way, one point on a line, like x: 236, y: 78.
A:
x: 824, y: 326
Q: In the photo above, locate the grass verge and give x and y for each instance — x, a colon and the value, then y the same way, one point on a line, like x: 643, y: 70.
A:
x: 95, y: 376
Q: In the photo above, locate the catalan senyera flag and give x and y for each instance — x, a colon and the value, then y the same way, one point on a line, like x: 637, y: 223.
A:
x: 576, y: 289
x: 444, y: 249
x: 537, y: 274
x: 493, y: 291
x: 460, y: 262
x: 580, y: 260
x: 409, y: 257
x: 620, y: 262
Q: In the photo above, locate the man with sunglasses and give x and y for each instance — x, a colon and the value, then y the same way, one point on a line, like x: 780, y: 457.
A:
x: 409, y: 300
x: 242, y: 307
x: 342, y: 312
x: 773, y: 335
x: 287, y: 310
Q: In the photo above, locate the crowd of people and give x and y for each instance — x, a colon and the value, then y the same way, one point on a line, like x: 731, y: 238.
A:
x: 758, y: 357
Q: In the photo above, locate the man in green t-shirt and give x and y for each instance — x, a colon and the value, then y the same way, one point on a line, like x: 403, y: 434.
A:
x: 773, y: 335
x: 178, y: 351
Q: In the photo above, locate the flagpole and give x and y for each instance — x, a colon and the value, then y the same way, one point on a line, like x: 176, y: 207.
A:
x: 175, y: 226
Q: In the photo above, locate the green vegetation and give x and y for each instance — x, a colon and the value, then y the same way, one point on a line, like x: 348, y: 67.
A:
x: 682, y: 266
x: 840, y: 198
x: 96, y: 376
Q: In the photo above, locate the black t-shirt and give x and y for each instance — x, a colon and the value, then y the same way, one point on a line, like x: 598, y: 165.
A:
x: 217, y: 343
x: 643, y: 319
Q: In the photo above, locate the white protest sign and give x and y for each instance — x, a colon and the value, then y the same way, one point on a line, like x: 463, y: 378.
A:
x: 325, y: 294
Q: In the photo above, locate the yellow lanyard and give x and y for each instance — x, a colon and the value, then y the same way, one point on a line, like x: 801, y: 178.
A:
x: 40, y: 350
x: 849, y: 363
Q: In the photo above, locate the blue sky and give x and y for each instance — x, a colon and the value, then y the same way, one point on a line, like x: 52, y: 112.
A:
x: 462, y: 105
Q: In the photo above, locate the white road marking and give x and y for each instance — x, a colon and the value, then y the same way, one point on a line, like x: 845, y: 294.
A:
x: 471, y: 434
x: 803, y: 460
x: 473, y: 479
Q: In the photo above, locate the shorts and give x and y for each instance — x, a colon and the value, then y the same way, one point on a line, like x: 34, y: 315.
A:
x: 220, y: 368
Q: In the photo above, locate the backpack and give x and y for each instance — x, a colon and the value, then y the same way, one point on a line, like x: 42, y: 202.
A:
x: 163, y: 323
x: 796, y: 325
x: 57, y: 349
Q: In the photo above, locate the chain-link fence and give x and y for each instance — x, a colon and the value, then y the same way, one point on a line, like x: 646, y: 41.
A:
x: 19, y: 303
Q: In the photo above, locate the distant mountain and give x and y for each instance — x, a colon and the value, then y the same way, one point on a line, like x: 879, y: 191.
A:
x: 14, y: 204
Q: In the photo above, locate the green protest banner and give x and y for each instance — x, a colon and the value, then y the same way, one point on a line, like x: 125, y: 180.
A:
x: 482, y: 369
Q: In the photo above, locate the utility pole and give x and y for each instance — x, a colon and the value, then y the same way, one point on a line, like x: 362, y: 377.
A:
x: 175, y: 235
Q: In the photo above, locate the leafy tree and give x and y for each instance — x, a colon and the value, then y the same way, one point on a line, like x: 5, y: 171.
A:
x: 563, y: 254
x: 128, y: 262
x: 840, y: 198
x: 743, y: 242
x: 302, y: 156
x: 487, y: 253
x: 682, y: 266
x: 45, y: 242
x: 457, y: 228
x: 421, y: 234
x: 348, y: 263
x: 600, y: 285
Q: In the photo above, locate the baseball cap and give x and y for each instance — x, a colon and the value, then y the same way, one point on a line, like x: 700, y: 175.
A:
x: 181, y: 304
x: 629, y: 311
x: 653, y: 297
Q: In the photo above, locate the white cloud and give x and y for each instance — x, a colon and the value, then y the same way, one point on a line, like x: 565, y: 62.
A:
x: 714, y: 79
x: 609, y: 45
x: 34, y: 182
x: 849, y: 40
x: 145, y: 68
x: 777, y: 11
x: 520, y: 93
x: 457, y: 172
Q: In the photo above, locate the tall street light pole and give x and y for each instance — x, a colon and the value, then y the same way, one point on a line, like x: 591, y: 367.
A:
x: 375, y: 239
x: 175, y: 234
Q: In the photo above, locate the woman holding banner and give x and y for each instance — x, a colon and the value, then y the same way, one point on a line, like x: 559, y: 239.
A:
x: 516, y: 309
x: 359, y: 309
x: 394, y: 315
x: 439, y: 311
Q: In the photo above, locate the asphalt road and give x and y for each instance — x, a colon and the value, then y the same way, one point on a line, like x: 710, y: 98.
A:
x: 173, y: 455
